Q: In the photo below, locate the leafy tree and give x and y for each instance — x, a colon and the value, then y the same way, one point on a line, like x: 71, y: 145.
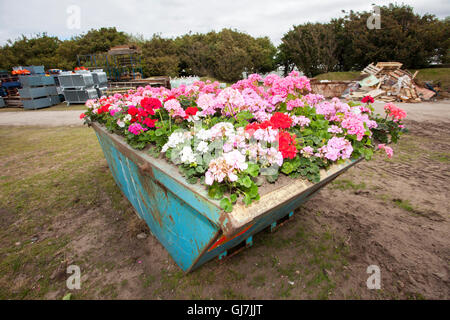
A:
x: 348, y: 44
x: 159, y: 57
x: 312, y: 47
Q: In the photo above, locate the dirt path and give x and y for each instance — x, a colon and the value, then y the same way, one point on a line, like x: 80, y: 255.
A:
x: 424, y: 111
x: 41, y: 118
x: 439, y: 111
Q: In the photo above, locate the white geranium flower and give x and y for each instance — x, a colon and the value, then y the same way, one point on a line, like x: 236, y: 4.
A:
x: 187, y: 156
x: 202, y: 147
x: 203, y: 134
x: 176, y: 138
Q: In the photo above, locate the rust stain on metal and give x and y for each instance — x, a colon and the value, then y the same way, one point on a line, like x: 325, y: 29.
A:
x: 146, y: 184
x: 146, y: 169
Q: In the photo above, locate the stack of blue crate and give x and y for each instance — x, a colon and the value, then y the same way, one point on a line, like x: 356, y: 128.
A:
x: 38, y: 90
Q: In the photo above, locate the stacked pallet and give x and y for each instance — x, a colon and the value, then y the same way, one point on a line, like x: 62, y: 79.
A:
x: 38, y: 91
x: 386, y: 81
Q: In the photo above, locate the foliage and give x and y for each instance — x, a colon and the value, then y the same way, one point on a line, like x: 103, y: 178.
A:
x: 347, y: 44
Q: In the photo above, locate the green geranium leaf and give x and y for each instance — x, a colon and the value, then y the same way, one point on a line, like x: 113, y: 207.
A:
x: 159, y: 132
x: 193, y: 180
x: 244, y: 115
x: 253, y: 169
x: 245, y: 182
x: 287, y: 168
x: 272, y: 178
x: 226, y: 205
x: 247, y: 199
x: 215, y: 192
x: 253, y: 191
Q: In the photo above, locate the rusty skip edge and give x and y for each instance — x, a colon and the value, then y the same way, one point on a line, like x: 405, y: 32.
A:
x: 241, y: 216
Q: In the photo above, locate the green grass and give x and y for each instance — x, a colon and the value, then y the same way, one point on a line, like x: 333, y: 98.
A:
x: 435, y: 75
x: 403, y: 204
x: 45, y: 175
x: 258, y: 281
x: 345, y: 184
x: 339, y: 76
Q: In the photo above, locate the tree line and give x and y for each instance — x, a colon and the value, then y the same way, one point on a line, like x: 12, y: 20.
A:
x: 342, y: 44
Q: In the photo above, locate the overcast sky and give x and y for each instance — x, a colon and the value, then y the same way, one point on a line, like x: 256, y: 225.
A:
x: 171, y: 18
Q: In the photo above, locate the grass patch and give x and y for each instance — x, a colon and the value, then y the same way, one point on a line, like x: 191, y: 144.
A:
x: 230, y: 294
x: 403, y: 204
x: 339, y: 76
x: 443, y: 157
x: 258, y: 281
x: 435, y: 75
x: 345, y: 184
x: 49, y: 176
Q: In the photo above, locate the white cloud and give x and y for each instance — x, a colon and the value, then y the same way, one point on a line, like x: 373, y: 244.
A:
x: 172, y: 18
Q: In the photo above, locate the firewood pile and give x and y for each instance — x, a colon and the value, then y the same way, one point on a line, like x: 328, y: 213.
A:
x: 386, y: 81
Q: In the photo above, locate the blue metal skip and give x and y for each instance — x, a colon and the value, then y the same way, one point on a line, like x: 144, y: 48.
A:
x: 192, y: 227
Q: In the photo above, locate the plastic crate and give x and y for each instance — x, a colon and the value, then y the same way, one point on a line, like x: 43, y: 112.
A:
x: 35, y: 69
x: 100, y: 78
x: 55, y: 99
x: 76, y: 80
x: 37, y: 103
x: 51, y: 91
x: 79, y: 96
x: 36, y: 80
x: 33, y: 92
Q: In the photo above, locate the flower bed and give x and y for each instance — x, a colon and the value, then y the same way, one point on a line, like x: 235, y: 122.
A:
x: 235, y: 139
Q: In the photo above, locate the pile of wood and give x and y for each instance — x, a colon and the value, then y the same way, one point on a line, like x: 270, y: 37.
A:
x: 386, y: 81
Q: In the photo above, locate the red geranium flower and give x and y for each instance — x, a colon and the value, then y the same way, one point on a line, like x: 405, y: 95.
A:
x: 252, y: 127
x: 367, y: 99
x: 150, y: 122
x: 103, y: 109
x: 82, y: 116
x: 133, y: 111
x: 281, y: 121
x: 191, y: 111
x: 169, y: 98
x: 150, y: 103
x: 286, y: 145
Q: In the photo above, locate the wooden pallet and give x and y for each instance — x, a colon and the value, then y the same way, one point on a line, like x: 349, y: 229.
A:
x: 371, y: 69
x: 389, y: 65
x: 13, y: 102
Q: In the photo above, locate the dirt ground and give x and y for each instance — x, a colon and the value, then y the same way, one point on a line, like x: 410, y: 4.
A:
x: 59, y: 206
